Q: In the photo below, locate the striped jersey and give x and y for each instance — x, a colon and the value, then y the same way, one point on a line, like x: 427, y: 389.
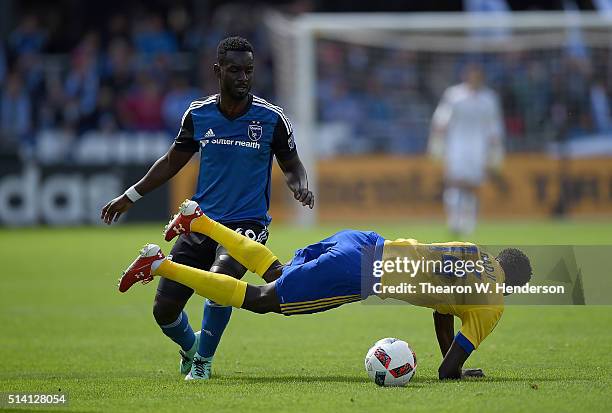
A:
x: 235, y: 156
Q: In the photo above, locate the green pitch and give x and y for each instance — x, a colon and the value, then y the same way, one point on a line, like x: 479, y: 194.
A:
x: 66, y: 329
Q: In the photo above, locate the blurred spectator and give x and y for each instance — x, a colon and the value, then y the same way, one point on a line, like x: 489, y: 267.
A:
x: 31, y: 69
x: 15, y: 112
x: 341, y: 106
x: 2, y: 64
x: 141, y: 108
x: 151, y: 38
x: 600, y: 105
x: 118, y: 27
x: 118, y: 67
x: 51, y: 109
x: 176, y: 101
x: 104, y: 117
x: 27, y: 37
x: 178, y: 22
x: 122, y: 75
x: 83, y: 80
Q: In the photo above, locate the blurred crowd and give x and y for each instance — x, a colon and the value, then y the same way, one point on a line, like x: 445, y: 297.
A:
x: 139, y: 71
x: 387, y: 95
x: 136, y: 73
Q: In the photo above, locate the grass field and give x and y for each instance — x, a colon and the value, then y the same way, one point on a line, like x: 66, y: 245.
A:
x: 64, y: 326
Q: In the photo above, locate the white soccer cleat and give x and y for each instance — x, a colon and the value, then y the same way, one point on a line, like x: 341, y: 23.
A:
x: 140, y: 269
x: 200, y: 369
x: 187, y: 356
x: 188, y: 207
x: 181, y: 222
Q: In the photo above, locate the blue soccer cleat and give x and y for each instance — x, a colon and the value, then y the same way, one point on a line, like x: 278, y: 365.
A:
x: 200, y: 368
x: 187, y: 356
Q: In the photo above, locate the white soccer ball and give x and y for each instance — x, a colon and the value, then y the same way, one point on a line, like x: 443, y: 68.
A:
x: 390, y: 362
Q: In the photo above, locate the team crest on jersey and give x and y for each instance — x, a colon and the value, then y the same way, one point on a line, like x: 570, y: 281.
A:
x: 291, y: 142
x: 255, y: 131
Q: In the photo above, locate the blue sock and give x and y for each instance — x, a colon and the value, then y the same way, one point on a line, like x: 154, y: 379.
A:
x: 214, y: 321
x: 180, y: 332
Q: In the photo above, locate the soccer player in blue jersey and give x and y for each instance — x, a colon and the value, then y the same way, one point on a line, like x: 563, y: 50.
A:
x: 340, y: 269
x: 237, y: 135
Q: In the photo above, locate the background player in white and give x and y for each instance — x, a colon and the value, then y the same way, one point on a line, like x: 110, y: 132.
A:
x: 467, y: 134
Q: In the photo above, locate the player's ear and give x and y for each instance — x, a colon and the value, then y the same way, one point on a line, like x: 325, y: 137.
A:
x: 217, y: 70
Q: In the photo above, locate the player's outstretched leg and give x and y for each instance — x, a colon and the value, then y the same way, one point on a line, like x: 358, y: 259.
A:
x: 221, y: 288
x: 190, y: 218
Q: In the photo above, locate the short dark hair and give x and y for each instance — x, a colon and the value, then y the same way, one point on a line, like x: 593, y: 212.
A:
x: 234, y: 43
x: 516, y: 266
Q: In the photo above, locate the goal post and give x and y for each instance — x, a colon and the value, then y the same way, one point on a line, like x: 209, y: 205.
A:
x: 392, y: 68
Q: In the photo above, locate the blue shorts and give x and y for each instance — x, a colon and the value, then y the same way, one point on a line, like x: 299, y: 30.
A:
x: 329, y: 273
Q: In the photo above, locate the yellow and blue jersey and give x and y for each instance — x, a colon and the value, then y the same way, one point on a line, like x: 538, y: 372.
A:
x: 479, y: 312
x: 338, y: 270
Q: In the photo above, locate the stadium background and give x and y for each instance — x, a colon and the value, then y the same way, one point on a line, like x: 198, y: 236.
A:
x: 92, y: 93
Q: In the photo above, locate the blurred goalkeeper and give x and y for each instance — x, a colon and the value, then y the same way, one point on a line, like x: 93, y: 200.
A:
x: 467, y: 134
x: 340, y: 270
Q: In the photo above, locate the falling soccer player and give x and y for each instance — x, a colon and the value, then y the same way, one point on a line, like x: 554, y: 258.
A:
x: 331, y: 273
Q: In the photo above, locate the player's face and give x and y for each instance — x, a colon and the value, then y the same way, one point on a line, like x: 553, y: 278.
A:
x: 236, y: 74
x: 474, y: 76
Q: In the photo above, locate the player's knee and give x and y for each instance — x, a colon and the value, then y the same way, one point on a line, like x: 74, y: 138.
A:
x: 225, y: 264
x: 261, y: 299
x: 255, y: 301
x: 165, y: 310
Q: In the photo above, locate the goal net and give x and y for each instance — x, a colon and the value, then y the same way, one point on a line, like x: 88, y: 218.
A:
x: 360, y: 84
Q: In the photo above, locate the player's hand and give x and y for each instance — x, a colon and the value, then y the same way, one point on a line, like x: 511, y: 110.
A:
x: 465, y: 373
x: 113, y: 210
x: 305, y: 196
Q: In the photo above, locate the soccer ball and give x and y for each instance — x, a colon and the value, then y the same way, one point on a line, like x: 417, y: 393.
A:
x: 390, y: 362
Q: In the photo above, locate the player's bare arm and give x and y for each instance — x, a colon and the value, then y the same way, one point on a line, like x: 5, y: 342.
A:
x: 162, y: 170
x: 454, y: 355
x: 445, y: 330
x: 453, y: 362
x: 297, y: 180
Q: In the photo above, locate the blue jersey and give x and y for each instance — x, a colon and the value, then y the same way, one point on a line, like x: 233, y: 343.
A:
x: 235, y: 156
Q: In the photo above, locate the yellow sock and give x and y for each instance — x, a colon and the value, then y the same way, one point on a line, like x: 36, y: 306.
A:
x: 220, y: 288
x: 253, y: 255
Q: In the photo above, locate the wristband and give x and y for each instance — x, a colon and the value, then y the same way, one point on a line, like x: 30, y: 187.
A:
x: 132, y: 194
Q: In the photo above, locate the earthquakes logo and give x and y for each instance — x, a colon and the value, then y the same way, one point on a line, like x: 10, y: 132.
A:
x: 255, y: 131
x: 291, y: 142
